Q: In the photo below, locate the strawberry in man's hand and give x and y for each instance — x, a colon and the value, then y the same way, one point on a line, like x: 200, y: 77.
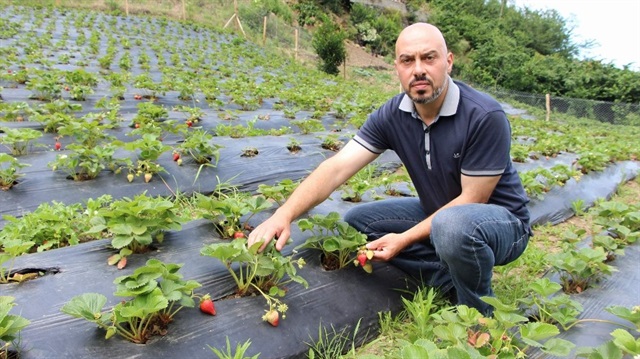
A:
x: 363, y: 259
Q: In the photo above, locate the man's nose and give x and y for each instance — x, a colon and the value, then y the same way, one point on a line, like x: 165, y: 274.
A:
x: 419, y: 70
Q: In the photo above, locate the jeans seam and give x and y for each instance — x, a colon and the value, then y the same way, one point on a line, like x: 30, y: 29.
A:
x: 396, y: 220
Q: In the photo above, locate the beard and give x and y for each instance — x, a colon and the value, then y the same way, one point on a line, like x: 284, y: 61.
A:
x: 421, y: 98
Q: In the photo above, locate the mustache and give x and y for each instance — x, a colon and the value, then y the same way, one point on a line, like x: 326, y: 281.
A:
x: 420, y: 79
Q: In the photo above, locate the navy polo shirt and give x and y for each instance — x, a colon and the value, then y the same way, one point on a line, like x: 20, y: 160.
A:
x: 470, y: 136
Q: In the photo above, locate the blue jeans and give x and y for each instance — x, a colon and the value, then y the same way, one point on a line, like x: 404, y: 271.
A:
x: 466, y: 242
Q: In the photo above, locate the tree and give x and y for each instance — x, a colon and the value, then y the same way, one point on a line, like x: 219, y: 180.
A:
x: 328, y: 42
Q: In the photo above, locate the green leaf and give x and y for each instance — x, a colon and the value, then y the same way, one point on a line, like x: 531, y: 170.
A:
x: 413, y: 351
x: 121, y: 241
x: 558, y: 347
x: 607, y: 350
x: 625, y: 341
x: 533, y: 332
x: 143, y: 305
x: 88, y: 306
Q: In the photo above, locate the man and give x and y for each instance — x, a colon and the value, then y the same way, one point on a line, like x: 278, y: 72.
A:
x: 455, y: 142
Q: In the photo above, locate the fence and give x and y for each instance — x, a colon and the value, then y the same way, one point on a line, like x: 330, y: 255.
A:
x: 603, y: 111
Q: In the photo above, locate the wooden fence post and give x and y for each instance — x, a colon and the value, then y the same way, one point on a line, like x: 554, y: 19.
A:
x: 184, y: 10
x: 264, y: 31
x: 236, y: 17
x: 548, y: 104
x: 295, y: 51
x: 126, y: 7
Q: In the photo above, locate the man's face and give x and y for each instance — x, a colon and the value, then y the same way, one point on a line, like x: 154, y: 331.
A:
x: 422, y: 64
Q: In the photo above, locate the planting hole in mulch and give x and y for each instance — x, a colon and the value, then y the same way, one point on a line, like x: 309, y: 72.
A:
x: 26, y: 274
x: 10, y: 354
x: 329, y: 263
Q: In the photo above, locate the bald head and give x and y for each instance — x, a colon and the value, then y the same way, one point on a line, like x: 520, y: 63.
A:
x: 423, y: 64
x: 420, y: 33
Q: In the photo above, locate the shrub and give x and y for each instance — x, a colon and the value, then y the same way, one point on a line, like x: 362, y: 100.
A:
x: 328, y: 42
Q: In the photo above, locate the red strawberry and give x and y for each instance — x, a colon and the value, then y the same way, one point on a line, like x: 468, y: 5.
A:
x: 362, y: 258
x: 189, y: 123
x: 58, y: 146
x: 176, y: 156
x: 206, y: 305
x: 272, y: 317
x: 238, y: 234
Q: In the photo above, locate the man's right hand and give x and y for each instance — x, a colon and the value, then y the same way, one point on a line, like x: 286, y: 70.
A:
x: 274, y: 227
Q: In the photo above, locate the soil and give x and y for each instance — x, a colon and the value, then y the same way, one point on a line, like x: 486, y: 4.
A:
x: 358, y: 56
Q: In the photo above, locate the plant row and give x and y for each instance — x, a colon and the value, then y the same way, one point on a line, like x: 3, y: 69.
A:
x: 156, y: 292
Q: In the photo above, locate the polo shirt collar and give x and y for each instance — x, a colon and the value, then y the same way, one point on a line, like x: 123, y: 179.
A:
x: 449, y: 106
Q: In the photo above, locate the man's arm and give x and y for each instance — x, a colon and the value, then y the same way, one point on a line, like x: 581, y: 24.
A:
x: 317, y: 187
x: 474, y: 190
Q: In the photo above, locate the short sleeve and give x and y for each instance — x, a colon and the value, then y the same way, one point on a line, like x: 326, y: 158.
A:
x: 488, y: 148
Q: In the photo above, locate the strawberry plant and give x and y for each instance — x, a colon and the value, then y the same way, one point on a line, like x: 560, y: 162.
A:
x: 336, y: 239
x: 278, y: 192
x: 388, y: 179
x: 266, y: 272
x: 506, y: 333
x: 45, y: 84
x: 359, y: 184
x: 226, y: 210
x: 52, y: 122
x: 549, y: 305
x: 308, y: 126
x: 15, y: 111
x: 194, y: 114
x: 9, y: 171
x: 151, y: 88
x: 593, y: 160
x: 10, y: 327
x: 331, y: 142
x: 83, y: 163
x: 19, y: 140
x: 293, y: 145
x: 135, y: 223
x: 80, y: 83
x: 532, y: 185
x: 51, y: 225
x: 149, y: 113
x: 149, y: 149
x: 199, y: 146
x: 158, y: 292
x: 620, y: 219
x: 580, y: 268
x: 90, y: 153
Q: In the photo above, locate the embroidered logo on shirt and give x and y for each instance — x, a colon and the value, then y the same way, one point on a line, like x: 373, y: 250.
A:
x: 456, y: 155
